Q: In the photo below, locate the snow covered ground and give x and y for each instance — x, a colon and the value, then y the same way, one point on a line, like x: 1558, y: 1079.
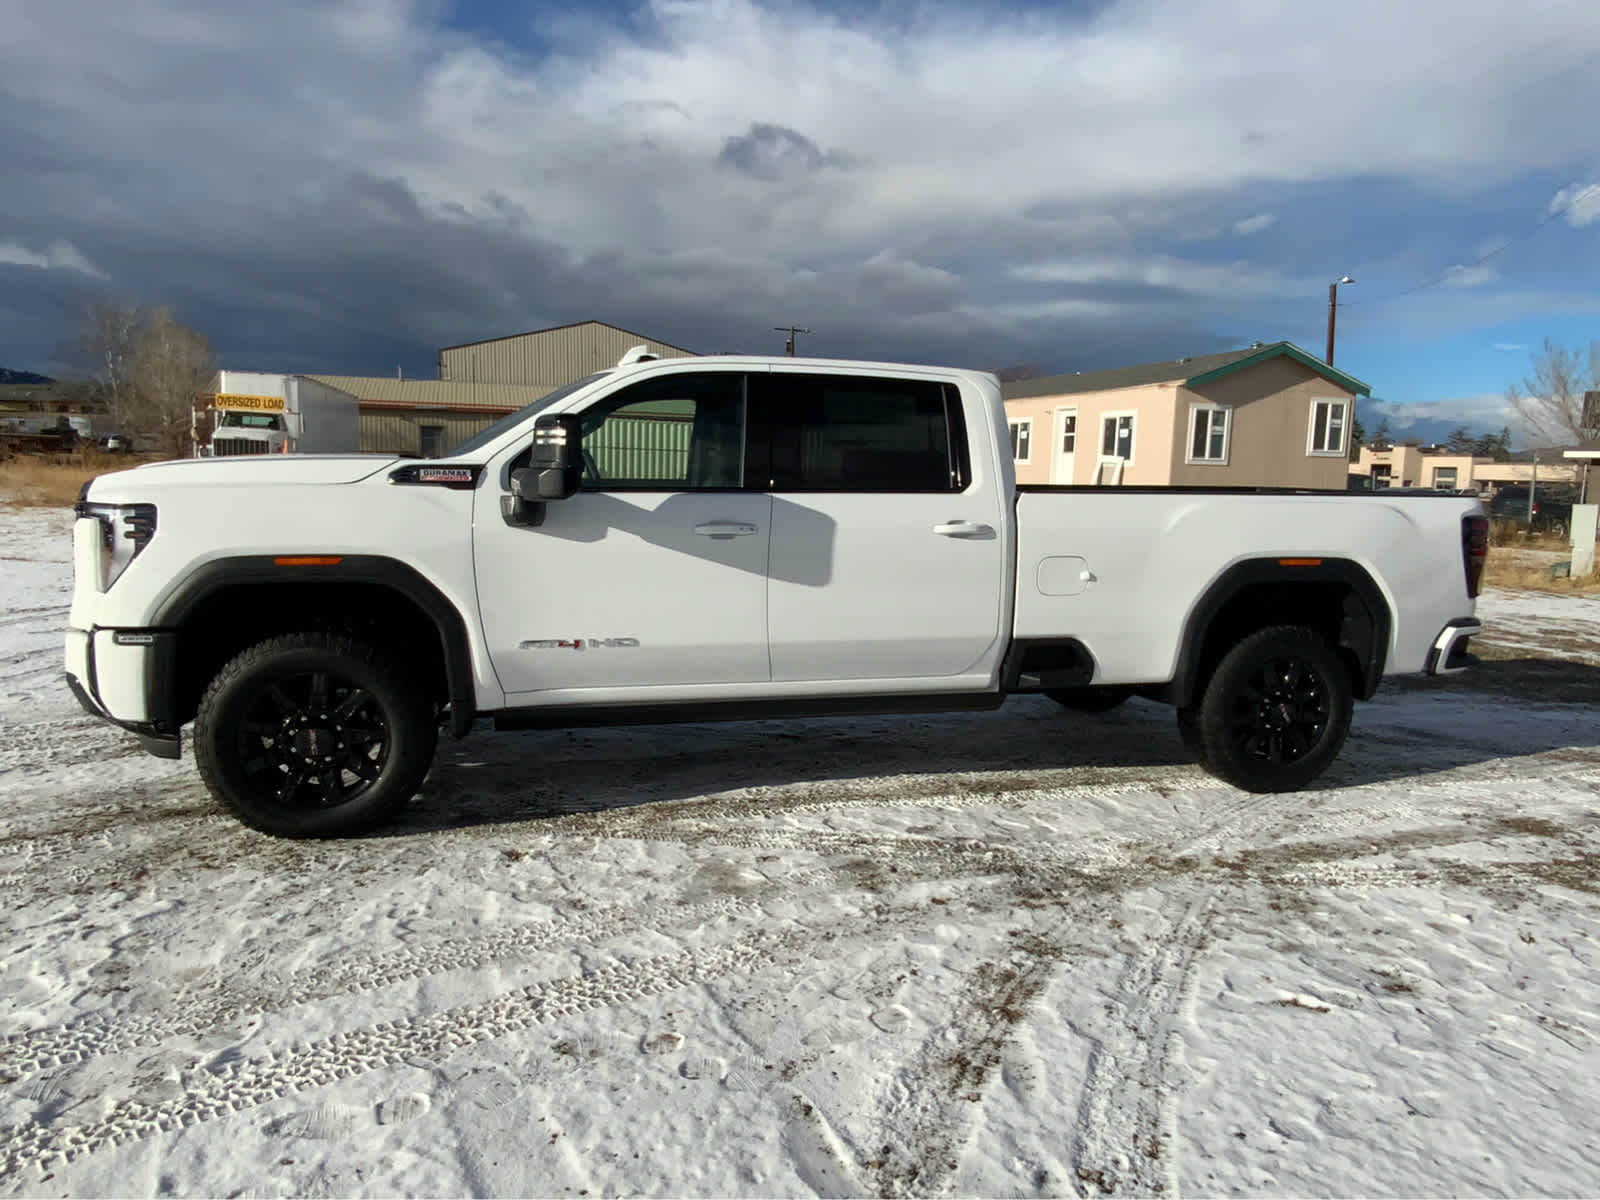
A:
x: 1023, y: 953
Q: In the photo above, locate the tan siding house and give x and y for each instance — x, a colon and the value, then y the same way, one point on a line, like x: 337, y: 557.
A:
x: 1269, y: 416
x: 1412, y: 466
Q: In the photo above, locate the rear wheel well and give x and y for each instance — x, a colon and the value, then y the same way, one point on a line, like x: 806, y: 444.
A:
x: 1332, y: 608
x: 237, y: 616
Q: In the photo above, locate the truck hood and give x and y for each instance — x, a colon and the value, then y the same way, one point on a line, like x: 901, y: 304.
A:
x: 248, y: 470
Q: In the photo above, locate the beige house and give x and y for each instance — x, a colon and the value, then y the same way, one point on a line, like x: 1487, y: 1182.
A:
x: 1417, y: 466
x: 1411, y: 466
x: 1266, y: 416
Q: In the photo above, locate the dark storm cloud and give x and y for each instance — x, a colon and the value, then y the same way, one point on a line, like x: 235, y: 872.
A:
x: 347, y: 185
x: 775, y: 153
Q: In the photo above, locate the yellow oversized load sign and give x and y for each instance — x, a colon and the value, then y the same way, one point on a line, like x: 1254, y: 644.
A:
x: 253, y: 403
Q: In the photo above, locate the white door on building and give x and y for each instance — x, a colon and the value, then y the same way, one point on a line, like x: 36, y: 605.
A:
x: 1065, y: 445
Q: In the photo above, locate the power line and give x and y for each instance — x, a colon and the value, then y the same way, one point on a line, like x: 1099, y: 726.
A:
x: 1436, y: 280
x: 792, y: 332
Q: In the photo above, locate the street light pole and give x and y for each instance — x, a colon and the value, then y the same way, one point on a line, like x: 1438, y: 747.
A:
x: 1333, y: 307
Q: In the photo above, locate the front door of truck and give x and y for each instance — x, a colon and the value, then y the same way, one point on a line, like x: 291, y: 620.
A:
x: 654, y: 574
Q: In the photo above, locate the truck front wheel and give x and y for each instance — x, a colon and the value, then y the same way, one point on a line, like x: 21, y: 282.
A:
x: 1276, y: 710
x: 313, y: 735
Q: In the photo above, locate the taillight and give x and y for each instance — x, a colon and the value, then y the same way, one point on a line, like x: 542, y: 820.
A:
x: 1474, y: 551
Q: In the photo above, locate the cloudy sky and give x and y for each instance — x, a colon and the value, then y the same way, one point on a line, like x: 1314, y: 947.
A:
x: 347, y: 185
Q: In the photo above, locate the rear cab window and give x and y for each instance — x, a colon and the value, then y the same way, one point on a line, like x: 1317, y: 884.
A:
x: 860, y: 433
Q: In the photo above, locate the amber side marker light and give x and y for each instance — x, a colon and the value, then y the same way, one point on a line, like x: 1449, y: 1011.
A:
x: 1299, y: 562
x: 308, y: 560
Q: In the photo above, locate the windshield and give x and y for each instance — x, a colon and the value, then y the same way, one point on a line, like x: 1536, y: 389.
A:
x: 244, y: 420
x: 484, y: 436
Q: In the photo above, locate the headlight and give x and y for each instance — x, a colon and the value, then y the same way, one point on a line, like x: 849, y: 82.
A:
x: 125, y: 530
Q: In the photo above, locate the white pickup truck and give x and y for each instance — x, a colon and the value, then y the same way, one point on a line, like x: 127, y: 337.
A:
x: 729, y: 538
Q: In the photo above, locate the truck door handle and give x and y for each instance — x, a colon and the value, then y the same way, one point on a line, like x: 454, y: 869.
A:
x: 962, y: 529
x: 725, y: 529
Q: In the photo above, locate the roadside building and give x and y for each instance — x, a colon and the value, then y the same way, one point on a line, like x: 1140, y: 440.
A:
x: 480, y: 382
x: 1265, y: 416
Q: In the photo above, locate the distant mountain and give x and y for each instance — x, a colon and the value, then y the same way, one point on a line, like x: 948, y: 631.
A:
x: 9, y: 376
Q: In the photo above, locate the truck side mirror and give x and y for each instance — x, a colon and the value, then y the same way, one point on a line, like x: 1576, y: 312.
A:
x: 554, y: 470
x: 557, y: 462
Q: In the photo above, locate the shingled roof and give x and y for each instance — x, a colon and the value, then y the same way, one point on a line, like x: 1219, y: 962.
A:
x: 1200, y: 369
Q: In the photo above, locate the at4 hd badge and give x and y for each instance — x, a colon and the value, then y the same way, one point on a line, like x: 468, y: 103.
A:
x: 612, y: 643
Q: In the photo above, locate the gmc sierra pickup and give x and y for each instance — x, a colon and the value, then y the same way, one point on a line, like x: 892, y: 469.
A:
x: 729, y: 538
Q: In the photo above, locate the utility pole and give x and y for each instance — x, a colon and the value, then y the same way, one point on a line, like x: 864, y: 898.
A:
x: 1333, y: 306
x: 791, y: 330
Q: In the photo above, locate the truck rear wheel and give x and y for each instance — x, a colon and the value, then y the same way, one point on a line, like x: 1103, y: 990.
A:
x: 313, y: 735
x: 1276, y: 711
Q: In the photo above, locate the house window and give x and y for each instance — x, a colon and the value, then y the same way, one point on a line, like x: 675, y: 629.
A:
x: 1327, y: 426
x: 1022, y: 440
x: 1116, y: 436
x: 432, y: 439
x: 1208, y: 433
x: 1444, y: 477
x: 1069, y: 432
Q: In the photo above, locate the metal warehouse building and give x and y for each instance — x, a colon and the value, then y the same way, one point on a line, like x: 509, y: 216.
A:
x: 479, y: 382
x: 547, y: 358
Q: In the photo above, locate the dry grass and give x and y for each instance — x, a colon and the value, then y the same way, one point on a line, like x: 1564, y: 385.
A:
x: 1529, y: 570
x: 52, y: 481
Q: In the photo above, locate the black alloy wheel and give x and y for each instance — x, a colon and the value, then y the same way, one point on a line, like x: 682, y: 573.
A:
x: 313, y: 740
x: 314, y: 735
x: 1276, y: 711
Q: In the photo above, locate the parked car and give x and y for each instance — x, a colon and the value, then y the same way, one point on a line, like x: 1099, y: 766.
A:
x: 1551, y: 510
x: 730, y: 538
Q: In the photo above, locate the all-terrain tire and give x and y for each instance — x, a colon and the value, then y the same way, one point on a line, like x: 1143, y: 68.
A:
x: 1089, y: 699
x: 1276, y: 710
x: 1189, y: 731
x: 314, y: 735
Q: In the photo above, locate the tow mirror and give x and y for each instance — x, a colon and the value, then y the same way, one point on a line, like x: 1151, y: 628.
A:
x: 557, y: 463
x: 554, y: 470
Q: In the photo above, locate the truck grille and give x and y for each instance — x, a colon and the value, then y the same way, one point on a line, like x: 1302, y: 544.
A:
x: 220, y: 446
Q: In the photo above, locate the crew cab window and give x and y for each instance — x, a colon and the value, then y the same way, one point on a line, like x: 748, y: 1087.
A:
x: 680, y: 432
x: 845, y: 433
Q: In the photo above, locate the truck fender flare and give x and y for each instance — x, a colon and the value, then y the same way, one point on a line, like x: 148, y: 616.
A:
x: 1282, y: 571
x: 390, y: 573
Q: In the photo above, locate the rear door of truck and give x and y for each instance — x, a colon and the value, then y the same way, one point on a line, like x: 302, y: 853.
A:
x: 890, y: 539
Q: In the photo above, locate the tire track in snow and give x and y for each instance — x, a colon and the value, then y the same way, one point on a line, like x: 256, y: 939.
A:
x: 247, y: 1084
x: 955, y: 1064
x: 67, y: 1045
x: 1123, y: 1134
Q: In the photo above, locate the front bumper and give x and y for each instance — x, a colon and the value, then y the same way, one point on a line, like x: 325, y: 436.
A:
x: 142, y: 658
x: 1448, y: 655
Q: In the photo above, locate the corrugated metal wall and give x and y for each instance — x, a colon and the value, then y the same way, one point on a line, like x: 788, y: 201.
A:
x: 401, y: 433
x: 640, y: 448
x: 548, y: 358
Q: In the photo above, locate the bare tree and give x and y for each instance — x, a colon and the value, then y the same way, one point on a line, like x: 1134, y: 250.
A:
x: 108, y: 333
x: 172, y: 364
x: 1549, y: 402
